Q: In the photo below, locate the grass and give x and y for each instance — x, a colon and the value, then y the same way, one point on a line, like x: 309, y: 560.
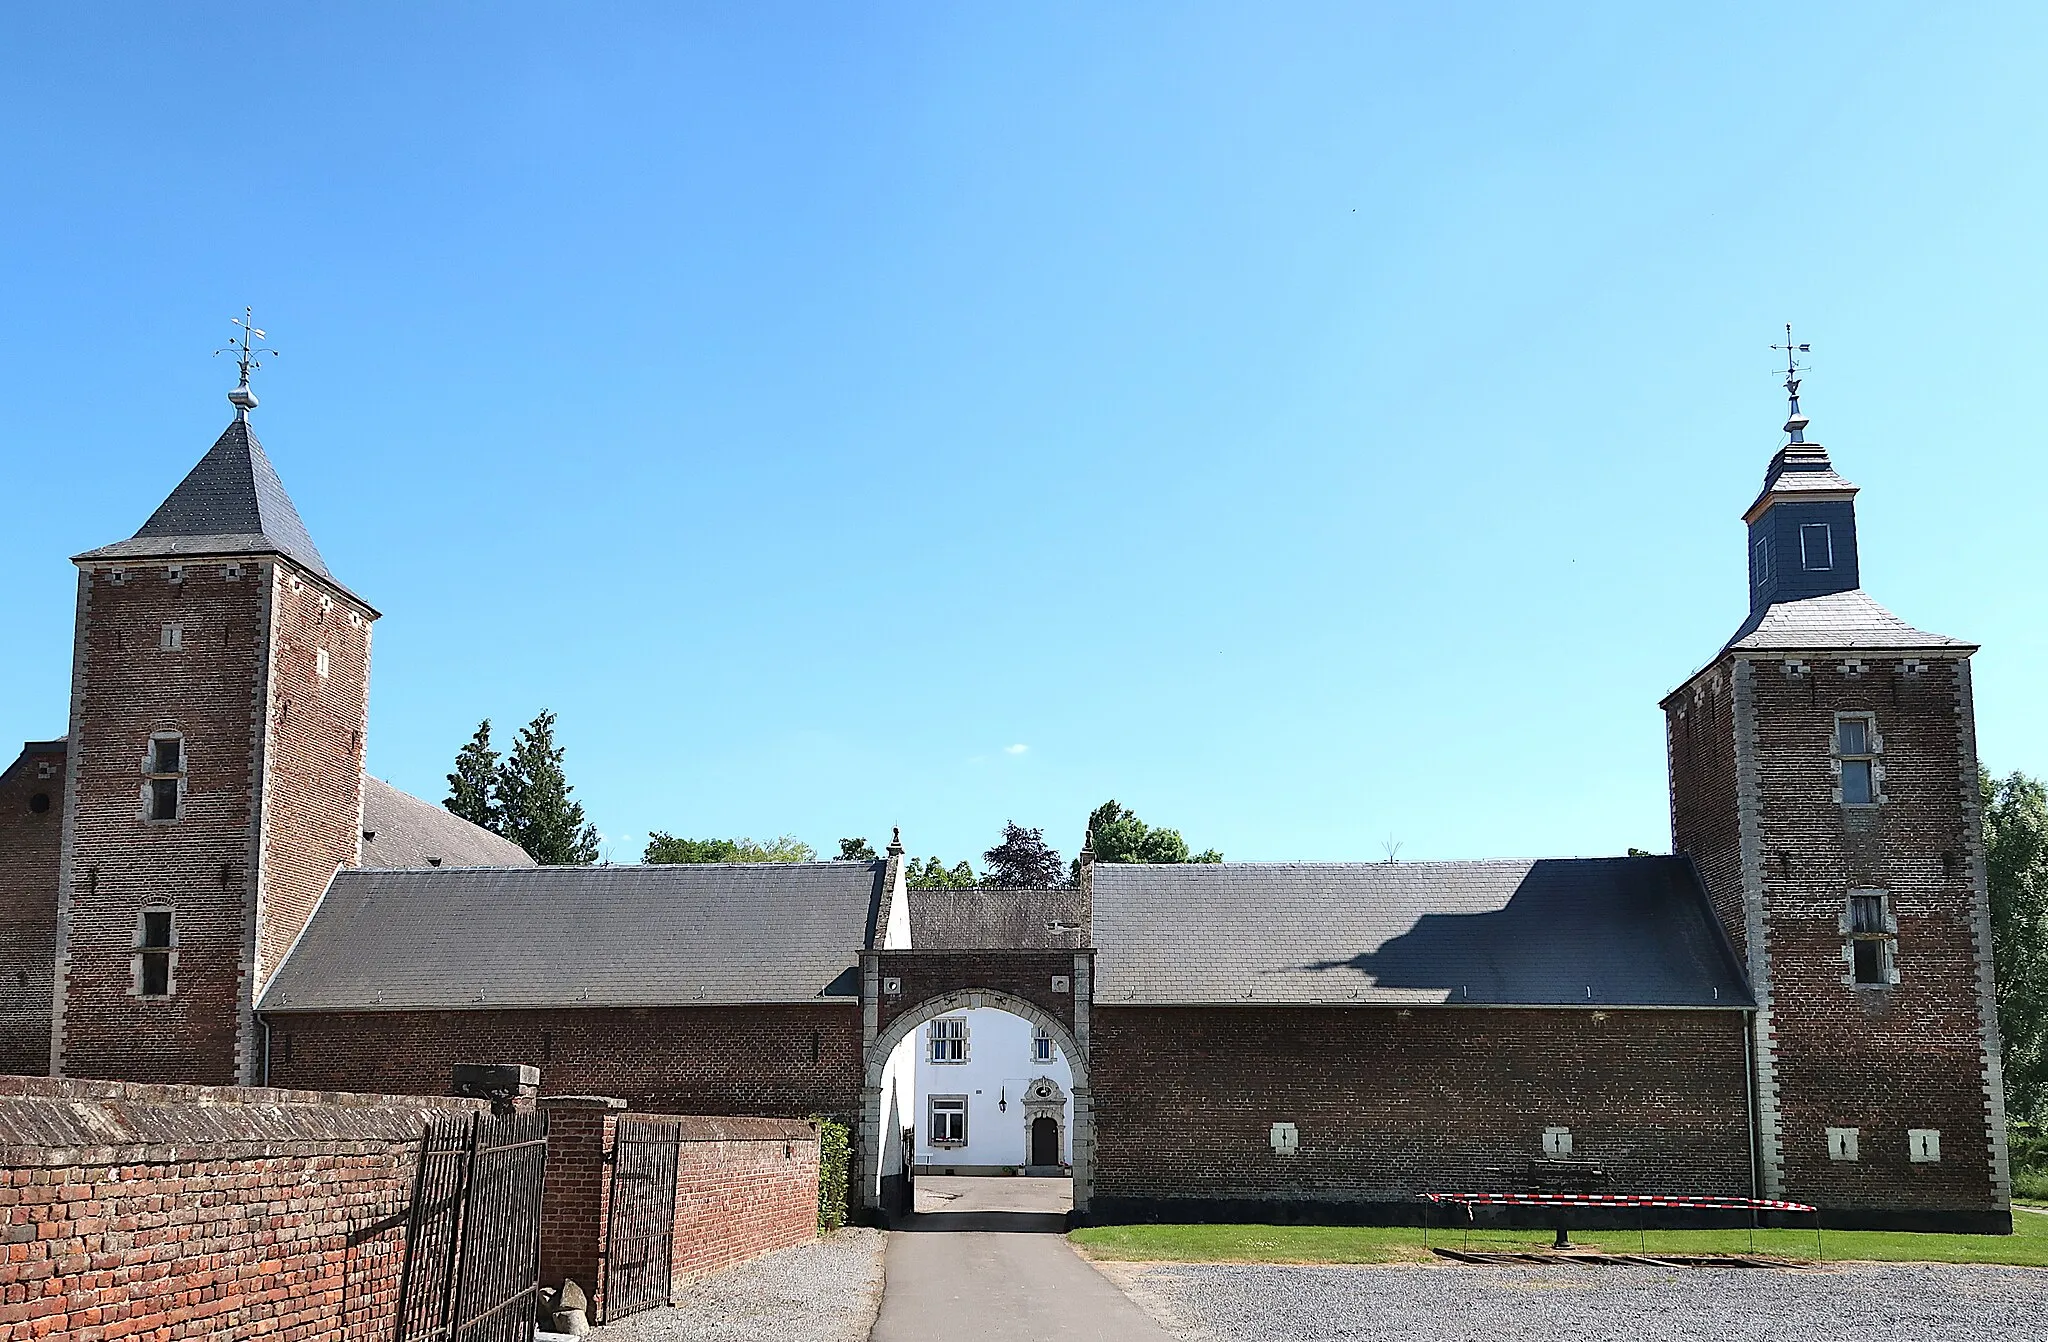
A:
x: 2026, y: 1246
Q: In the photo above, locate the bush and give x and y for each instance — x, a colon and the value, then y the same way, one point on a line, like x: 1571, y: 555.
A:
x: 2028, y: 1145
x: 835, y: 1152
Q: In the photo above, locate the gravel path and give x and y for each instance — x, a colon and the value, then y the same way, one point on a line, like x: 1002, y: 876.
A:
x: 825, y: 1291
x: 1862, y: 1303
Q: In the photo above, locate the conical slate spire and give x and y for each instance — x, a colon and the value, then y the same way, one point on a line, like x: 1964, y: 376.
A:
x: 231, y: 503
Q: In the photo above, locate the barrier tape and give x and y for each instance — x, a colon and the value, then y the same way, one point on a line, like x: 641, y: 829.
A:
x: 1617, y: 1200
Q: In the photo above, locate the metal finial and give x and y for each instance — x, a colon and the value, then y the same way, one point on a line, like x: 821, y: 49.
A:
x: 1795, y: 422
x: 245, y: 352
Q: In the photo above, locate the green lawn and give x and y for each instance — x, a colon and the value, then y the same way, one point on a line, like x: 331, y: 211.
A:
x: 2027, y: 1245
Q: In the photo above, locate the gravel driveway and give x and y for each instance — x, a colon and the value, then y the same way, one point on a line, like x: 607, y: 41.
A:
x: 1866, y: 1302
x: 824, y: 1291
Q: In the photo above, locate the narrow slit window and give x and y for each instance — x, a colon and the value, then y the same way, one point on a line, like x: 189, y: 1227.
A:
x: 1870, y: 939
x: 1761, y: 561
x: 1856, y: 748
x: 1816, y: 547
x: 155, y: 935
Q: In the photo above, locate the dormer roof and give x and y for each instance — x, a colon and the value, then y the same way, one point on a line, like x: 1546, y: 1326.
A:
x: 1799, y: 471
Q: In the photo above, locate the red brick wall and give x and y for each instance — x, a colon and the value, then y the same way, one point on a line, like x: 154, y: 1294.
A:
x: 578, y: 1179
x: 743, y: 1187
x: 313, y: 799
x: 1879, y: 1059
x: 1391, y: 1105
x: 174, y: 1212
x: 30, y: 843
x: 773, y: 1061
x: 1023, y: 974
x: 1700, y: 745
x: 124, y: 688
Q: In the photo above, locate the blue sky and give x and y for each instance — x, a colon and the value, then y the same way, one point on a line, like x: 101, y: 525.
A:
x: 1308, y: 425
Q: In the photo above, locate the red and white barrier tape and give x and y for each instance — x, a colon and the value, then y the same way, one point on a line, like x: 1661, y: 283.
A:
x: 1617, y: 1200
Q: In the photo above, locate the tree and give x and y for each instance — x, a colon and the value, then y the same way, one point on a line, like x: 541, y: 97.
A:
x: 935, y: 875
x: 1022, y: 861
x: 534, y: 806
x: 664, y: 848
x: 473, y: 787
x: 2016, y: 870
x: 856, y: 850
x: 1117, y: 835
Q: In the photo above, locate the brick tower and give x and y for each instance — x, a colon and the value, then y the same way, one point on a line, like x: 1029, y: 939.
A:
x: 219, y: 698
x: 1824, y: 779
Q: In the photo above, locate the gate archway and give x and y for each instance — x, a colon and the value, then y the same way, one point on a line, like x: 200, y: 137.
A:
x: 896, y: 1005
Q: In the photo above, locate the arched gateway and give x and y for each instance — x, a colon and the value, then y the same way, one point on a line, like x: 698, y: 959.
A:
x: 901, y: 990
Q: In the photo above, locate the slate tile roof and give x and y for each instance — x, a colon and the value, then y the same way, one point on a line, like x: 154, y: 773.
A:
x: 989, y: 919
x: 402, y: 831
x: 1572, y: 932
x: 231, y: 503
x: 1797, y: 469
x: 480, y: 937
x: 1838, y: 621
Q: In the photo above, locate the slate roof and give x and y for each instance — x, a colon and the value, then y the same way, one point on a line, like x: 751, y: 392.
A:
x: 1838, y: 621
x: 458, y: 938
x: 231, y: 503
x: 1799, y: 469
x: 987, y: 919
x: 400, y: 830
x: 1567, y: 932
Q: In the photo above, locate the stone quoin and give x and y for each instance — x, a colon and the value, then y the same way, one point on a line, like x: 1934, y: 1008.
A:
x: 199, y: 885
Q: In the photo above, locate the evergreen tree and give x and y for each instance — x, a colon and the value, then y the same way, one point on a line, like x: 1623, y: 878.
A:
x: 473, y: 787
x: 534, y: 806
x: 1022, y: 861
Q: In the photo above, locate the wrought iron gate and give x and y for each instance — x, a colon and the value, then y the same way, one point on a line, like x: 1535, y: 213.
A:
x: 472, y: 1244
x: 637, y: 1238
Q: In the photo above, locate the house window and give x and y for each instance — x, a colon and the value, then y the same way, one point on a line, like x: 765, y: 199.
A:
x: 948, y: 1039
x: 163, y: 792
x: 155, y: 942
x: 1042, y: 1049
x: 1871, y: 934
x: 948, y: 1125
x: 1856, y: 752
x: 1816, y: 546
x: 1923, y: 1146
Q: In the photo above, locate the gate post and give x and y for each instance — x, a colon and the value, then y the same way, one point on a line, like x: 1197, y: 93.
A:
x: 581, y: 1132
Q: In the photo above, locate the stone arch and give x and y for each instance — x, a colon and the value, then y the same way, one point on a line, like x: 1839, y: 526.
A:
x: 1081, y: 1141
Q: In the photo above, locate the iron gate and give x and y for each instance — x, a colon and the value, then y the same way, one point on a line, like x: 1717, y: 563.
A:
x: 472, y: 1243
x: 637, y: 1238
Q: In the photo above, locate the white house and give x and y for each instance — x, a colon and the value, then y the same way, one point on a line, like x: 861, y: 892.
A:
x: 993, y: 1096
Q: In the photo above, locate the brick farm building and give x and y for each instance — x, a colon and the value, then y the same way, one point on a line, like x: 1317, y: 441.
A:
x: 198, y: 884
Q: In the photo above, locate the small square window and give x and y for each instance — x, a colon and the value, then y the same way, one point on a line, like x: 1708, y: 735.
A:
x: 1285, y: 1139
x: 1842, y: 1143
x: 1923, y: 1146
x: 166, y: 755
x: 1816, y: 547
x: 175, y: 573
x: 1557, y: 1141
x: 232, y: 572
x: 172, y: 639
x: 947, y: 1125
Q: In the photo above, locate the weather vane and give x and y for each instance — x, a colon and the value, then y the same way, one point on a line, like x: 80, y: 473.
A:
x: 245, y: 351
x: 1795, y: 423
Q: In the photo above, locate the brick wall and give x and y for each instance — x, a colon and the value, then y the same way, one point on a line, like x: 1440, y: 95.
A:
x: 1022, y: 974
x: 188, y: 1212
x: 578, y: 1181
x: 1389, y: 1105
x: 1700, y: 745
x: 772, y: 1061
x: 30, y: 845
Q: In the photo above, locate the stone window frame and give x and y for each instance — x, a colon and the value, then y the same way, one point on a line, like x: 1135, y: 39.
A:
x: 1045, y: 1050
x: 1843, y: 1143
x: 154, y: 775
x: 954, y: 1104
x: 172, y: 637
x: 1885, y: 937
x: 1557, y: 1143
x: 1873, y: 741
x: 144, y: 949
x: 947, y: 1040
x: 1923, y: 1146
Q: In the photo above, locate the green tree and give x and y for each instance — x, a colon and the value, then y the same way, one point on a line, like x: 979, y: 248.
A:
x: 932, y: 874
x: 665, y: 848
x: 1022, y: 861
x: 1117, y: 835
x: 2016, y: 870
x: 473, y: 787
x: 856, y: 850
x: 534, y: 806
